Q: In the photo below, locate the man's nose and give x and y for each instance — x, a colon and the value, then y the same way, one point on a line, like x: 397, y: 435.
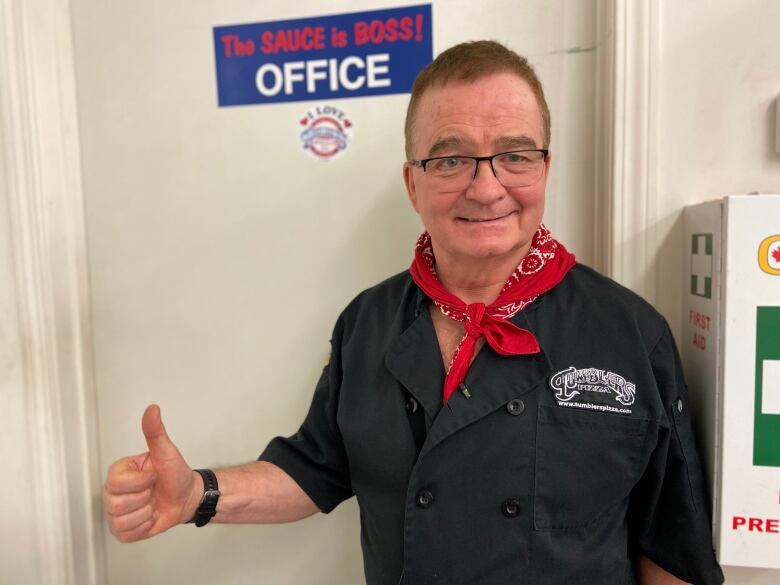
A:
x: 485, y: 188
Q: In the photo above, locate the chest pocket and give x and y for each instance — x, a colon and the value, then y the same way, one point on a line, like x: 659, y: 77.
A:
x: 586, y: 463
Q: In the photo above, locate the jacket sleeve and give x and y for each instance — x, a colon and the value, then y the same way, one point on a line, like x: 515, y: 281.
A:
x: 669, y: 512
x: 315, y: 456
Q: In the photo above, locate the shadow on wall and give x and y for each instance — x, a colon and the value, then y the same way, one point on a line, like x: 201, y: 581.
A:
x: 772, y: 139
x: 393, y: 223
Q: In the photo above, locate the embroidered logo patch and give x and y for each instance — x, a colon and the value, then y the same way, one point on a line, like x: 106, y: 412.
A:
x: 593, y: 389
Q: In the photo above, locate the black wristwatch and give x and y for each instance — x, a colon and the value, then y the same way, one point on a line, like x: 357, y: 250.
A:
x: 207, y: 508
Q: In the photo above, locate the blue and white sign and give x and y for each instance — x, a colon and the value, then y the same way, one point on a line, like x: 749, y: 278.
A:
x: 337, y: 56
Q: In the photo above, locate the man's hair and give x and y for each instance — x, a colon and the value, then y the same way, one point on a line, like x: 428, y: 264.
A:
x: 468, y: 62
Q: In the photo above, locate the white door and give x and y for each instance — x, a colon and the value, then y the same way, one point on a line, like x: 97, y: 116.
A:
x: 221, y: 252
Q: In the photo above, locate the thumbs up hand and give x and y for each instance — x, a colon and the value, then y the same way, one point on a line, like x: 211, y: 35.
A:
x: 148, y: 493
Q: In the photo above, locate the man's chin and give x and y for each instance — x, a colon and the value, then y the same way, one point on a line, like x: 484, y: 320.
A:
x: 496, y: 250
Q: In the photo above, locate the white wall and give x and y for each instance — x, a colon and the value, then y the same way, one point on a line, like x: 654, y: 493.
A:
x: 719, y: 78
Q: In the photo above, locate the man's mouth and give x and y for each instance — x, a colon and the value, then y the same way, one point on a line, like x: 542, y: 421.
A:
x: 486, y: 219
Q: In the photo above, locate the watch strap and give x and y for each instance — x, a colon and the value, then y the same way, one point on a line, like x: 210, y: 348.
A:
x: 207, y: 508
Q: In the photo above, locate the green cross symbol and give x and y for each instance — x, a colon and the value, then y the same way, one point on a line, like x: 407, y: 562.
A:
x: 701, y: 265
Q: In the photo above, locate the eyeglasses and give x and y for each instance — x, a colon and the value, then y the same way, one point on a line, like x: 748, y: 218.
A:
x: 517, y: 168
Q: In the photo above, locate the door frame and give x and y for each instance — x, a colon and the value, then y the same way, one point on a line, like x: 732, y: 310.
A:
x: 42, y: 189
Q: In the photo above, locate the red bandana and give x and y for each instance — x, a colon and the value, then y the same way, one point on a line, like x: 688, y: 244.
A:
x: 545, y: 265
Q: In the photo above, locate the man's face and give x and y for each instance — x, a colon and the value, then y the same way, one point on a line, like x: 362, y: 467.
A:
x: 487, y: 116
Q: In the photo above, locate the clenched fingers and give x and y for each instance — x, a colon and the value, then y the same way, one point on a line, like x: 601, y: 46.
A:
x: 119, y: 505
x: 126, y: 477
x: 138, y: 533
x: 130, y: 522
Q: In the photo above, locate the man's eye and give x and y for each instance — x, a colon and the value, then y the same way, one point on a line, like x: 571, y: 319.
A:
x: 447, y: 164
x: 515, y: 158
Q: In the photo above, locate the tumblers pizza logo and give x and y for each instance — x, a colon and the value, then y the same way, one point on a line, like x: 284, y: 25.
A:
x: 769, y: 255
x: 590, y: 384
x: 327, y: 132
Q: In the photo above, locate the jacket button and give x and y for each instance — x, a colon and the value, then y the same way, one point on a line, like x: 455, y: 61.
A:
x: 510, y: 508
x: 411, y: 405
x: 424, y: 499
x: 515, y: 407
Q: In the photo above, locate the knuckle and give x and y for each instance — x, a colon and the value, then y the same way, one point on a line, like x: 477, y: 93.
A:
x: 112, y: 507
x: 138, y: 533
x: 117, y: 466
x: 113, y: 529
x: 124, y: 523
x: 114, y: 484
x: 120, y: 524
x: 105, y: 496
x: 124, y: 537
x: 133, y: 521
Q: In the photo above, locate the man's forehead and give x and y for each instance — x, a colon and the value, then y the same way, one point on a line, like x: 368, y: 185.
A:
x: 476, y: 101
x: 499, y: 108
x: 493, y: 87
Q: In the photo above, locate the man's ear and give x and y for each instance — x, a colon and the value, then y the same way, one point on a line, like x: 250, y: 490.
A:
x: 411, y: 190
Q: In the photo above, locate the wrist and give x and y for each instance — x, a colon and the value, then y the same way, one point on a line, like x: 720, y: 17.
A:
x: 194, y: 497
x: 207, y: 506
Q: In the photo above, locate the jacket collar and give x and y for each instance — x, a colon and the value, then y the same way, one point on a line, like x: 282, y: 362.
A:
x: 415, y: 360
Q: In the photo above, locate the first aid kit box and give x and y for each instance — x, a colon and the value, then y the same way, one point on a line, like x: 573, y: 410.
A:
x: 730, y: 348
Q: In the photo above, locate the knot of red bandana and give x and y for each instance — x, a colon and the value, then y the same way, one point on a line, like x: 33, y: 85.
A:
x: 545, y: 265
x: 474, y: 319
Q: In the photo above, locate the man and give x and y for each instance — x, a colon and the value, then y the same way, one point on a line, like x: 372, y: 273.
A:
x: 560, y: 453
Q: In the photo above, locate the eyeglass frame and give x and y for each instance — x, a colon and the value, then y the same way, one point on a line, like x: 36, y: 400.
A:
x: 421, y: 163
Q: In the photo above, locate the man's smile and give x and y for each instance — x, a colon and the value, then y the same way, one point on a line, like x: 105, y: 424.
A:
x: 485, y: 220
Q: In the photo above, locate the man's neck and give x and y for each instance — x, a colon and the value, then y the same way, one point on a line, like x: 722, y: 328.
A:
x: 477, y: 281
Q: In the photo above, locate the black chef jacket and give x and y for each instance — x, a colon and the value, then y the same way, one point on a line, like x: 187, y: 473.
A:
x: 555, y: 468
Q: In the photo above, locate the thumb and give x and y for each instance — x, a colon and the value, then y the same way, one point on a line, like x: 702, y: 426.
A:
x: 160, y: 445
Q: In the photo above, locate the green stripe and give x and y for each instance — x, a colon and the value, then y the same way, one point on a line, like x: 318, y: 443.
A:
x: 707, y: 286
x: 766, y: 432
x: 707, y: 244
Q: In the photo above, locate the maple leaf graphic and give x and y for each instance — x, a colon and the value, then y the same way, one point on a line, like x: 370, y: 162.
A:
x: 776, y: 254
